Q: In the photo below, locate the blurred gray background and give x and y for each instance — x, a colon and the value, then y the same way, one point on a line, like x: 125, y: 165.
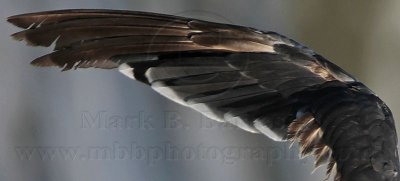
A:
x: 99, y: 125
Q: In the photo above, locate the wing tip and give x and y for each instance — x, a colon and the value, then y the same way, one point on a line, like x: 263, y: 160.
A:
x: 27, y: 20
x: 22, y: 20
x: 12, y: 19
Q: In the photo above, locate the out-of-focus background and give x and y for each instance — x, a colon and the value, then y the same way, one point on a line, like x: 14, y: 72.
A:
x: 99, y: 125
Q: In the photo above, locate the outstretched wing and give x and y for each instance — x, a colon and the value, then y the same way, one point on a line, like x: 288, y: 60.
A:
x: 230, y: 73
x: 259, y: 81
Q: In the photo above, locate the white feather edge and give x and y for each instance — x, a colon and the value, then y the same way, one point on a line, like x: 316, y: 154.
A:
x: 126, y: 70
x: 167, y: 92
x: 266, y: 130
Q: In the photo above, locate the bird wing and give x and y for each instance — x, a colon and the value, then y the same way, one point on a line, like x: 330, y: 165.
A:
x: 259, y: 81
x: 196, y: 63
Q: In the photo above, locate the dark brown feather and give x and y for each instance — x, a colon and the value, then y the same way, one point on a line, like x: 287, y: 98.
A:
x: 32, y: 20
x: 101, y: 57
x: 220, y: 41
x: 90, y: 38
x: 121, y: 40
x: 45, y: 36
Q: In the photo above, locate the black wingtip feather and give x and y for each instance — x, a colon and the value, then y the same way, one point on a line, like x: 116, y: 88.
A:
x: 14, y: 20
x: 23, y: 20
